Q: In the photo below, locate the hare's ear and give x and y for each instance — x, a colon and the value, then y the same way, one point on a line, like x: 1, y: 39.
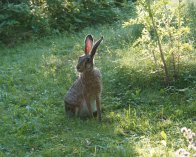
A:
x: 88, y: 44
x: 95, y: 47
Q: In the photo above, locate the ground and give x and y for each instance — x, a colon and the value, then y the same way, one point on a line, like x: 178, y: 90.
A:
x: 141, y: 117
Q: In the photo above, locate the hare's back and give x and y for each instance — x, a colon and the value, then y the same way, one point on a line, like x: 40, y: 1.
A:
x: 75, y: 93
x: 97, y: 73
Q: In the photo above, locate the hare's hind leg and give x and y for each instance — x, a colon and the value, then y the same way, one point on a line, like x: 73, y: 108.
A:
x: 69, y: 109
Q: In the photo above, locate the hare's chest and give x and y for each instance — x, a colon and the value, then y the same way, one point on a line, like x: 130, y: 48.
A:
x: 93, y: 87
x: 84, y: 109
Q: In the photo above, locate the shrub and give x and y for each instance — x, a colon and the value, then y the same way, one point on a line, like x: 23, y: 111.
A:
x: 54, y: 16
x: 190, y: 12
x: 164, y: 35
x: 14, y: 19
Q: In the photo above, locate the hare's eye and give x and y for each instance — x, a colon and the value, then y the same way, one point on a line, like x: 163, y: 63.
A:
x: 88, y: 59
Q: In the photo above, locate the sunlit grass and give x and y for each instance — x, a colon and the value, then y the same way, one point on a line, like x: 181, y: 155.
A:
x: 137, y: 108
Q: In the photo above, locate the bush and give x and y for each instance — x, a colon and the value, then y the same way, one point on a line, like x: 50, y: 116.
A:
x: 164, y: 36
x: 191, y: 20
x: 54, y: 16
x: 13, y: 17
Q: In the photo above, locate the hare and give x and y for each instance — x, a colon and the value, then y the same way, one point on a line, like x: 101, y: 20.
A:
x: 84, y: 96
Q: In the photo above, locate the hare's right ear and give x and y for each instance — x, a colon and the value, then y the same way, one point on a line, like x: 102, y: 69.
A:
x: 88, y: 44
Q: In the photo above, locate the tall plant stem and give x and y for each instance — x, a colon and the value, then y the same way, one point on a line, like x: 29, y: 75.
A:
x: 179, y: 37
x: 159, y: 43
x: 155, y: 59
x: 171, y: 44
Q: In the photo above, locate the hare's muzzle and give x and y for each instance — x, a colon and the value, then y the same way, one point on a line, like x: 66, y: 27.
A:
x: 79, y: 69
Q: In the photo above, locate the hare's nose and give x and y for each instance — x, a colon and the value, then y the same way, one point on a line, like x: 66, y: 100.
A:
x: 78, y: 67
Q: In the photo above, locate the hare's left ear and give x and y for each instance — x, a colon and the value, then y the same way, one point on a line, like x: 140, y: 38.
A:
x: 94, y: 49
x: 88, y: 44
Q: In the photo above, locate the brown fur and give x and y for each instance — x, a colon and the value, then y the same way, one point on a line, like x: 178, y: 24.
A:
x: 81, y: 98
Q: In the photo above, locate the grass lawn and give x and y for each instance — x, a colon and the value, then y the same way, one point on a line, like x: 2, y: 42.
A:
x: 141, y: 117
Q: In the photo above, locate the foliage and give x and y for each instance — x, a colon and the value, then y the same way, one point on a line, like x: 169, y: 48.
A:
x: 164, y: 35
x: 190, y: 14
x: 140, y: 115
x: 13, y: 17
x: 24, y: 18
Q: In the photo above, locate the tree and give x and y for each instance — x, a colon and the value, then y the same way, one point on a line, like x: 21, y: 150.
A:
x: 164, y: 34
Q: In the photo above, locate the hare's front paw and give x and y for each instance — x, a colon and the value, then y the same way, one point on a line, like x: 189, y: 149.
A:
x: 99, y: 118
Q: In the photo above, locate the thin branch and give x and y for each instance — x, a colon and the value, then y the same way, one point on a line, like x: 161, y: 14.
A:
x: 171, y: 43
x: 159, y: 43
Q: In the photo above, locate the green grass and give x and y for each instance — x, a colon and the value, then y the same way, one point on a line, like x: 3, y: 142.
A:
x: 137, y: 109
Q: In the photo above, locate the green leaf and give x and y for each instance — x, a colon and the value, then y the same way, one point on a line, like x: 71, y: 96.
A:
x: 163, y: 135
x: 163, y: 142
